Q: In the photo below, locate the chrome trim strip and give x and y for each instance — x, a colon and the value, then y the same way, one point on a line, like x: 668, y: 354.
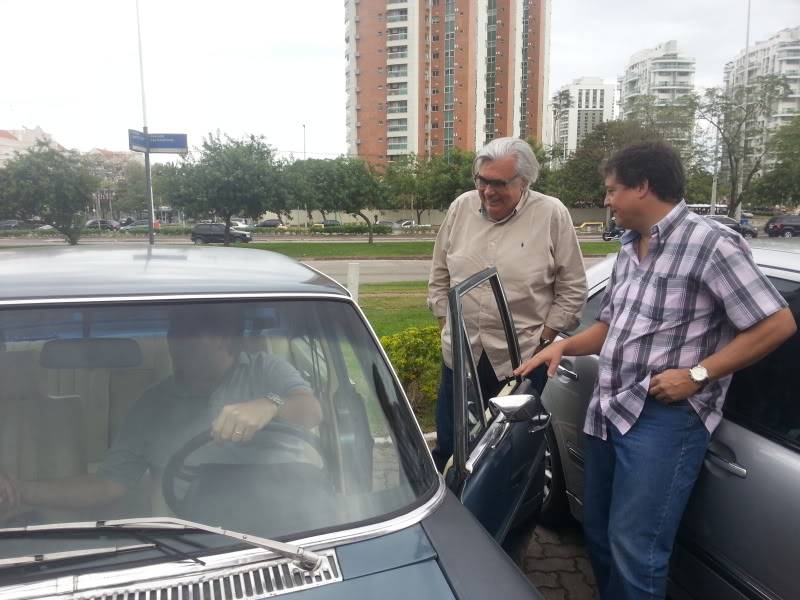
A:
x: 166, y: 297
x: 328, y: 277
x: 376, y: 529
x: 493, y: 433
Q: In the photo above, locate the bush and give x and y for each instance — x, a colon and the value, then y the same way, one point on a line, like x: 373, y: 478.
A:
x: 417, y: 357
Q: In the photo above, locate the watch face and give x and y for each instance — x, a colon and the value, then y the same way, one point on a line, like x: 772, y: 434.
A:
x: 699, y: 374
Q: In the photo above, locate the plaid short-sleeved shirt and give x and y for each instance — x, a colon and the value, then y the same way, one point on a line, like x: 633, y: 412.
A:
x: 696, y: 288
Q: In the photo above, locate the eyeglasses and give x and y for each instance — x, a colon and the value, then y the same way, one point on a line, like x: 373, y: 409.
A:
x: 499, y: 185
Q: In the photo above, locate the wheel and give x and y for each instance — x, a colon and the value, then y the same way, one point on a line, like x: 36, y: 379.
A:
x: 748, y: 235
x: 788, y: 234
x: 555, y: 506
x: 606, y: 236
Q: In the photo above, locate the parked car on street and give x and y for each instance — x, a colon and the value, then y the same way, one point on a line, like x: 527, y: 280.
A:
x: 739, y: 535
x: 137, y: 226
x: 14, y: 224
x: 214, y: 233
x: 102, y: 224
x: 272, y: 223
x: 330, y: 223
x: 744, y: 229
x: 783, y: 226
x: 98, y: 374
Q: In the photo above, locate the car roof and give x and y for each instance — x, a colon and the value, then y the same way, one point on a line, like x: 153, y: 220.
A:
x: 143, y: 270
x: 785, y: 261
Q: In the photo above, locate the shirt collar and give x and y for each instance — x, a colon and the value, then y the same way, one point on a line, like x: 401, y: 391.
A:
x: 517, y: 208
x: 663, y: 228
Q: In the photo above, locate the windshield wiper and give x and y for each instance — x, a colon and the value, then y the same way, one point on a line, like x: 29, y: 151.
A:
x: 33, y: 559
x: 305, y: 559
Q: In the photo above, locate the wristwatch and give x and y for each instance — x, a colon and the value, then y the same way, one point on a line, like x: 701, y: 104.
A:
x: 275, y: 399
x: 544, y: 343
x: 699, y: 375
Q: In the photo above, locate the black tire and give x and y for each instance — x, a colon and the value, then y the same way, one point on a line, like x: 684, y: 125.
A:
x: 788, y: 234
x: 555, y: 506
x: 606, y: 236
x: 748, y: 235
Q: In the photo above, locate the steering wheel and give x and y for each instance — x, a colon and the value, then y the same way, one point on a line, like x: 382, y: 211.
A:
x: 215, y: 479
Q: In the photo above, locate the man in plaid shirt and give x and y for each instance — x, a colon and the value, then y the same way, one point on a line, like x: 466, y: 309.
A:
x: 686, y: 307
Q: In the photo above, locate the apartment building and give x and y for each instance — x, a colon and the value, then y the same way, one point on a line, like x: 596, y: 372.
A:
x: 426, y: 76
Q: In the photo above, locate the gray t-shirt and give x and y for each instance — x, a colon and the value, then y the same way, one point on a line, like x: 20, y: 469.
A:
x: 167, y: 416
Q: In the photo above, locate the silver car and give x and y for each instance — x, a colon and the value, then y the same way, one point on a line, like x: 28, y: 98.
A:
x: 740, y: 535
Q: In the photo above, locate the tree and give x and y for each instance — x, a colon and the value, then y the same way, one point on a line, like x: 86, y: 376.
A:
x: 781, y: 185
x: 561, y: 104
x: 732, y: 113
x: 579, y: 182
x: 360, y: 190
x: 130, y: 193
x: 231, y: 177
x: 402, y: 181
x: 442, y: 179
x: 675, y: 122
x: 51, y: 185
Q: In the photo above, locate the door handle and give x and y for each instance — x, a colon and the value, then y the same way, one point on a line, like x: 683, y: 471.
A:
x: 564, y: 372
x: 539, y: 422
x: 725, y: 464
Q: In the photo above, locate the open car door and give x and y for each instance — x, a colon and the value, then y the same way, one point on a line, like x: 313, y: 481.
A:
x: 498, y: 461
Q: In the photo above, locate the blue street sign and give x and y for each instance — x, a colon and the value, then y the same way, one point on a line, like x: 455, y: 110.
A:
x: 136, y: 141
x: 168, y: 143
x: 165, y: 143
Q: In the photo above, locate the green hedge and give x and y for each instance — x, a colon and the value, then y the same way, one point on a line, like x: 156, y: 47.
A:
x: 417, y: 357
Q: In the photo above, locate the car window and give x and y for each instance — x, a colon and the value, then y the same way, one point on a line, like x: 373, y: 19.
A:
x: 482, y: 384
x: 764, y: 396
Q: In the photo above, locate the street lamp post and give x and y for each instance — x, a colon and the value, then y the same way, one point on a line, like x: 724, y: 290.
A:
x: 151, y: 230
x: 740, y: 179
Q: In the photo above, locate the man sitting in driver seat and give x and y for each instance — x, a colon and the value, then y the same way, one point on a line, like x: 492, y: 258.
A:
x: 213, y: 386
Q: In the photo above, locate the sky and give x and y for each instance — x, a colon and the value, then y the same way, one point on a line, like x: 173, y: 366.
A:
x: 268, y: 67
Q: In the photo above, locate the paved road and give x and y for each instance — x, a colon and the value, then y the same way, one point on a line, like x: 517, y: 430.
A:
x: 381, y: 271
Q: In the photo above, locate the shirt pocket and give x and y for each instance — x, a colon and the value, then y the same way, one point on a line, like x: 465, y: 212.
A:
x: 667, y: 298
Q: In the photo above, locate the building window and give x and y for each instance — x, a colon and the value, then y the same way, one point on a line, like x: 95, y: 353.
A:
x: 397, y: 89
x: 397, y: 106
x: 394, y: 34
x: 397, y: 71
x: 397, y: 14
x: 397, y: 52
x: 397, y: 143
x: 397, y: 125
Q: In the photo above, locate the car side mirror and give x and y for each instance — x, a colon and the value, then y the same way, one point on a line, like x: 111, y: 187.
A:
x: 518, y: 408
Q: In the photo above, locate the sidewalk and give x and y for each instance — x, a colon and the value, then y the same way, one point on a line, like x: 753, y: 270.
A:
x: 556, y: 563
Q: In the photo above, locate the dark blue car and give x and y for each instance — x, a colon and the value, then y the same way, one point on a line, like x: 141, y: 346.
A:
x: 125, y: 474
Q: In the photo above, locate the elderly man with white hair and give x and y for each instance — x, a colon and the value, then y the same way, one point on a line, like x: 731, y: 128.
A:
x: 530, y: 238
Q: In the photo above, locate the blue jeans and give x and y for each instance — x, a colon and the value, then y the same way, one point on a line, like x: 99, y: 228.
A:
x: 444, y: 403
x: 637, y: 487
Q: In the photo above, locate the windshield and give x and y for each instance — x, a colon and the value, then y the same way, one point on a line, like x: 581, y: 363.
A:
x: 270, y: 418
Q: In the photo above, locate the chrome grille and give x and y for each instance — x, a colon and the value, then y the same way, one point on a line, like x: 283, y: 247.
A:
x: 248, y: 582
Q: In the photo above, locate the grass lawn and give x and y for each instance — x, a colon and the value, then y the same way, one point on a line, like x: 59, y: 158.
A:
x: 362, y: 250
x: 393, y: 307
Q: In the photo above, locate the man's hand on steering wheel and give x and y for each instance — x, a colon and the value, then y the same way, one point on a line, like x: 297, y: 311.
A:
x: 240, y: 422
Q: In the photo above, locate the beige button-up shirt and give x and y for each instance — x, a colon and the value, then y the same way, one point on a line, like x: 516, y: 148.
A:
x: 539, y: 261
